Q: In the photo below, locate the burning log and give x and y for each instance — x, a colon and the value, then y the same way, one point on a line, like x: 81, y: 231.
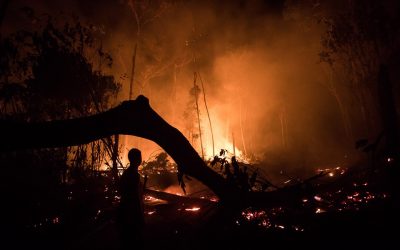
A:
x: 174, y: 198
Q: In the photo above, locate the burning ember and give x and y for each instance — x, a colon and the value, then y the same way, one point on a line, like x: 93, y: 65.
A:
x: 353, y: 196
x: 193, y: 209
x: 317, y: 198
x: 214, y: 199
x: 56, y: 220
x: 267, y: 219
x: 353, y: 199
x: 150, y: 198
x: 332, y: 172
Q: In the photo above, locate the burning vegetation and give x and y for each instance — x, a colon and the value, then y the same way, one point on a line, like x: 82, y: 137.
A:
x: 270, y: 121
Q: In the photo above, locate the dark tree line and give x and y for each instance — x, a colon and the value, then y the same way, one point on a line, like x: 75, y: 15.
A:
x: 49, y: 73
x: 52, y: 71
x: 360, y: 45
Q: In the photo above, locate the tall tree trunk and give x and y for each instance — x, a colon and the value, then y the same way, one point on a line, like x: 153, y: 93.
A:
x: 208, y: 115
x: 196, y: 96
x: 114, y: 157
x: 132, y: 78
x: 241, y: 126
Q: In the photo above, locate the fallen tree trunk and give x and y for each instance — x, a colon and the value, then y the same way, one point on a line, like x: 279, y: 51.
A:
x: 135, y: 118
x: 175, y: 198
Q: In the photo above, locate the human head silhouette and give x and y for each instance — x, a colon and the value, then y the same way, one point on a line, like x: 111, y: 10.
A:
x: 135, y: 157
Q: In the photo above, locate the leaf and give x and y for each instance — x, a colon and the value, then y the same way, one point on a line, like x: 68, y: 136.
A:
x: 214, y: 161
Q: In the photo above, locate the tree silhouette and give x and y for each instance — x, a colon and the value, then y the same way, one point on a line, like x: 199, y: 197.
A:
x: 48, y: 74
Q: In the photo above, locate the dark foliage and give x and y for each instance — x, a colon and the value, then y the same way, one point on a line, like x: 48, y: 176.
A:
x: 48, y: 74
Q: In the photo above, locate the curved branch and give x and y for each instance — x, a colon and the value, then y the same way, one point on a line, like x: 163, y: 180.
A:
x: 135, y: 118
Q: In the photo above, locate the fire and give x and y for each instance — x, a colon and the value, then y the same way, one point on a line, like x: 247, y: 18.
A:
x: 224, y: 138
x: 214, y: 199
x: 193, y: 209
x: 56, y: 220
x: 333, y: 171
x: 317, y: 198
x: 174, y: 189
x: 150, y: 198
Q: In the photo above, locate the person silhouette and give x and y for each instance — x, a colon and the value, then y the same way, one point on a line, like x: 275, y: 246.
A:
x: 130, y: 218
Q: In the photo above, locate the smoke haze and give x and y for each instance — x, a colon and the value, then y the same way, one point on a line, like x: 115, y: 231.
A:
x: 258, y: 61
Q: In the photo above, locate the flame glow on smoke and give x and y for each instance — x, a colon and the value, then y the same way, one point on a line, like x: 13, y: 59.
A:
x: 223, y: 139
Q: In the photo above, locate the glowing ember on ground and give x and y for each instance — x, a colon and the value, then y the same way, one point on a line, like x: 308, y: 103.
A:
x: 261, y: 218
x: 317, y: 198
x: 56, y: 220
x: 249, y: 215
x: 333, y: 171
x: 193, y: 209
x: 352, y: 199
x: 297, y: 228
x: 150, y: 198
x: 214, y: 199
x: 354, y: 196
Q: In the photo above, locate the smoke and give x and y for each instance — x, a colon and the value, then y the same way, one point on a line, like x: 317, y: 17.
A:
x: 258, y: 61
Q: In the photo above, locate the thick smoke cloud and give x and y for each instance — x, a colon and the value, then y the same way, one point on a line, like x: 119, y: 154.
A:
x: 258, y: 61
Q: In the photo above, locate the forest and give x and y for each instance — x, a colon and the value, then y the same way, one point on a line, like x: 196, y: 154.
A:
x: 261, y: 123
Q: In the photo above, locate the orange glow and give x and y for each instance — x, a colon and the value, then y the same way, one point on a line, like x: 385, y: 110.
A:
x: 214, y: 199
x: 174, y: 189
x: 193, y: 209
x: 56, y: 220
x: 222, y: 138
x: 150, y: 198
x: 317, y: 198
